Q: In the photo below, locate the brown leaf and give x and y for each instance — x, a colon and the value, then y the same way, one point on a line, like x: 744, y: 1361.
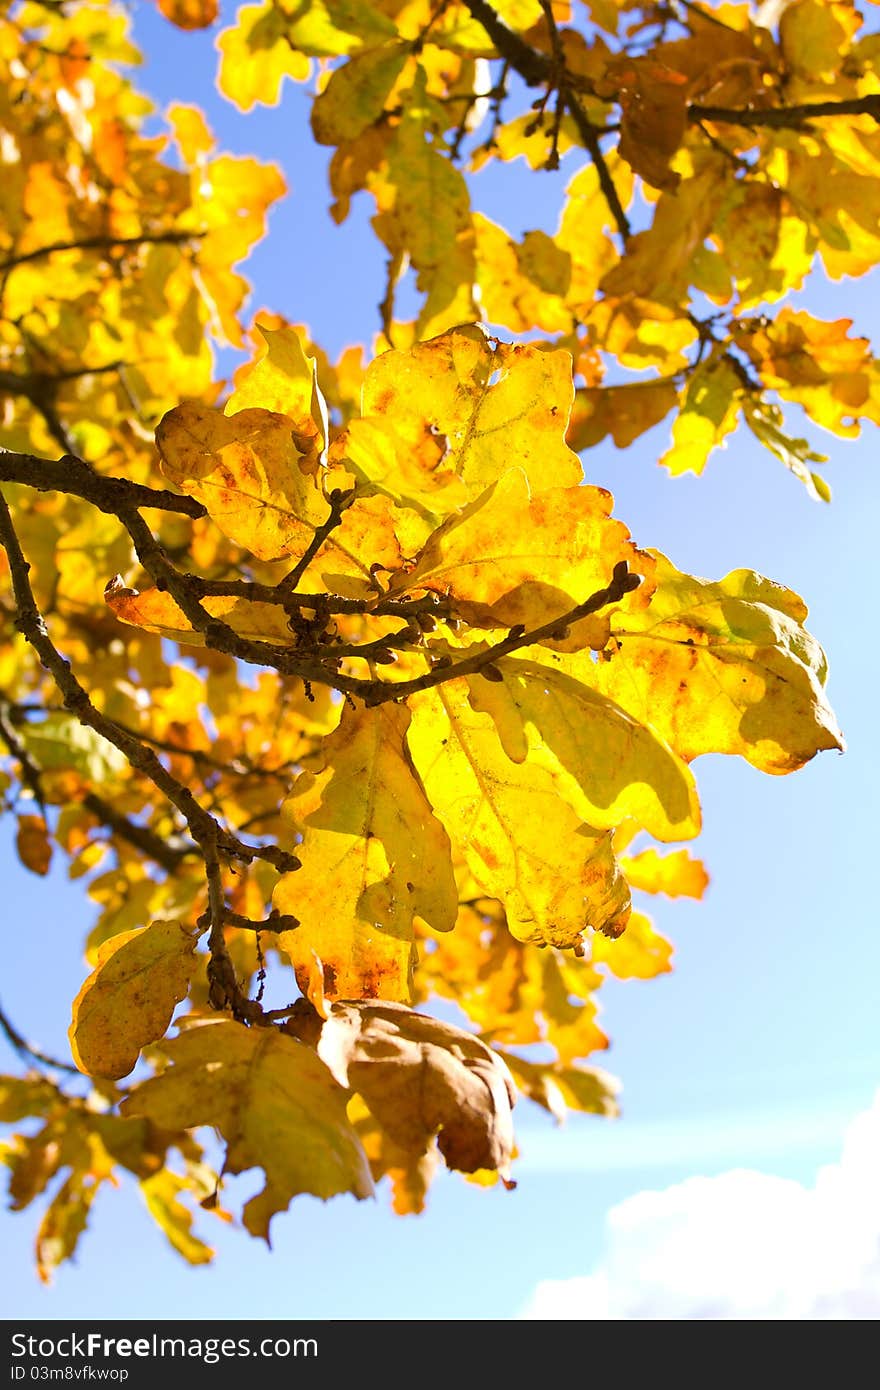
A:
x: 422, y: 1078
x: 33, y: 844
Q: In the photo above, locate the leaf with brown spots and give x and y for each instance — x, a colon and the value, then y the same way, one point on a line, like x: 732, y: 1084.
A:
x: 724, y: 667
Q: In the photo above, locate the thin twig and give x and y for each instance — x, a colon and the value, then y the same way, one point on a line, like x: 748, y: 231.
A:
x: 202, y: 826
x: 622, y: 582
x: 26, y: 1049
x: 99, y: 243
x: 339, y: 502
x: 787, y: 117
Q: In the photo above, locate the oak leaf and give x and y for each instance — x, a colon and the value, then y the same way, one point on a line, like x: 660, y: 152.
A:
x: 373, y: 858
x: 724, y: 667
x: 423, y: 1078
x: 274, y: 1102
x: 130, y: 997
x: 523, y: 843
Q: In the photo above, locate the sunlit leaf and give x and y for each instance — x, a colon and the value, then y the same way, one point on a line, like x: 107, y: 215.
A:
x: 373, y: 857
x: 130, y: 997
x: 274, y: 1102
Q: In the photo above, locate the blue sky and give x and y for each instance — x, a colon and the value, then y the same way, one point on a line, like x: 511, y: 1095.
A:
x: 756, y: 1052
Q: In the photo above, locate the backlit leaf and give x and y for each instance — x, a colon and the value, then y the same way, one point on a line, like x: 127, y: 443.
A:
x: 260, y: 487
x: 608, y: 766
x: 639, y: 954
x: 678, y: 874
x: 275, y: 1103
x: 511, y: 557
x: 522, y: 841
x: 33, y: 844
x: 130, y: 997
x: 724, y: 667
x: 493, y: 405
x: 373, y: 857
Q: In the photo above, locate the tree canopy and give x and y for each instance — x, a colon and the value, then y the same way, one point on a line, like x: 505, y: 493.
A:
x: 336, y: 682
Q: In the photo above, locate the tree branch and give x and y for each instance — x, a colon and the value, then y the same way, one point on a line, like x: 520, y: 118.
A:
x: 787, y: 117
x: 338, y: 502
x: 26, y: 1049
x: 622, y: 582
x: 99, y: 243
x: 73, y: 475
x: 533, y: 67
x: 590, y: 136
x: 202, y: 826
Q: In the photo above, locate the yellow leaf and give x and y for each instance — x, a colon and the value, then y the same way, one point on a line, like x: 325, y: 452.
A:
x: 710, y: 411
x: 491, y: 403
x: 658, y: 262
x: 523, y: 843
x: 255, y: 57
x: 509, y: 279
x: 423, y: 1078
x: 432, y: 205
x: 130, y: 997
x: 560, y: 1089
x: 190, y: 131
x: 511, y: 557
x: 373, y: 859
x: 161, y: 1192
x: 639, y: 954
x: 259, y: 487
x: 357, y: 93
x: 814, y: 33
x: 584, y: 231
x: 721, y: 667
x: 608, y: 766
x: 156, y: 611
x: 677, y: 875
x: 284, y: 380
x: 275, y: 1103
x: 515, y: 993
x: 33, y: 844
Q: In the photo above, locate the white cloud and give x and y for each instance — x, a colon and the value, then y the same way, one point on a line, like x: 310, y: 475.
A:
x: 742, y: 1245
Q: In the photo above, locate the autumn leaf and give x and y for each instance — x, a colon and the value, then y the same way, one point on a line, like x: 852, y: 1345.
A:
x: 678, y: 874
x: 736, y: 650
x: 492, y: 404
x: 424, y: 1079
x: 373, y: 858
x: 190, y: 14
x: 255, y: 57
x: 522, y: 841
x: 275, y: 1103
x: 156, y: 611
x: 561, y: 1089
x: 510, y: 557
x: 639, y: 954
x: 129, y: 998
x: 260, y: 488
x: 33, y: 844
x: 162, y: 1192
x: 608, y: 767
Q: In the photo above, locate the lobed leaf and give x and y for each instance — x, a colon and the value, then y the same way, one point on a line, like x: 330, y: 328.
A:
x: 373, y: 859
x: 275, y: 1103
